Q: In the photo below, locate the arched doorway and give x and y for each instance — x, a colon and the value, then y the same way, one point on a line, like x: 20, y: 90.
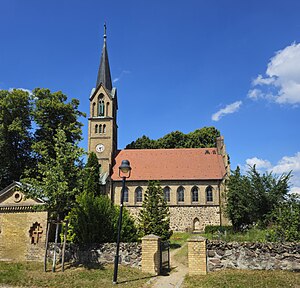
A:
x: 196, y: 225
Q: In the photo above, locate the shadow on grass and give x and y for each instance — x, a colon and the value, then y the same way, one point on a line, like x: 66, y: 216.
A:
x: 174, y: 245
x: 70, y: 265
x: 136, y: 279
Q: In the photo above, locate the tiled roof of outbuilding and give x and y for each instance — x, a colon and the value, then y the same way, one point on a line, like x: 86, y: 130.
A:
x: 171, y: 164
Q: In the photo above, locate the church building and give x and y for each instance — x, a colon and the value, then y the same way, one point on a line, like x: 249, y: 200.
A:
x: 193, y: 179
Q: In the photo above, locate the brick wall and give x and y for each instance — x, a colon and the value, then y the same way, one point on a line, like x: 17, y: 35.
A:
x: 15, y: 241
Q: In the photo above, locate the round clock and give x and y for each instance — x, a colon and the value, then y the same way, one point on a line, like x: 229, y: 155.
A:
x: 100, y: 148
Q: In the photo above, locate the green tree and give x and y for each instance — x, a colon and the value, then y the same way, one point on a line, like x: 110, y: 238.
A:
x: 154, y: 218
x: 94, y: 219
x: 59, y: 177
x: 142, y: 143
x: 286, y: 220
x: 91, y: 219
x: 52, y: 112
x: 239, y: 200
x: 15, y: 136
x: 252, y: 198
x: 200, y: 138
x: 91, y: 175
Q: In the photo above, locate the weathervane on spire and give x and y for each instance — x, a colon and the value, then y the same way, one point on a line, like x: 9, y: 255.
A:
x: 104, y: 36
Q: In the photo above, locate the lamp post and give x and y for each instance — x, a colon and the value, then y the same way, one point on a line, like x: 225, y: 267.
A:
x: 124, y: 172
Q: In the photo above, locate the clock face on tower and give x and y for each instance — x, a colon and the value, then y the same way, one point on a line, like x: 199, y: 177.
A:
x: 100, y: 148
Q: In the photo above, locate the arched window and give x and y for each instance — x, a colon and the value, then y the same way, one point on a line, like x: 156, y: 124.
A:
x: 96, y: 128
x: 104, y: 128
x: 180, y: 194
x: 100, y: 128
x: 167, y: 193
x: 209, y: 194
x: 126, y: 194
x: 138, y: 195
x: 100, y: 105
x: 195, y: 194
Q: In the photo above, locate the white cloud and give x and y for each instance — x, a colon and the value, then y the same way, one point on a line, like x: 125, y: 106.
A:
x: 255, y: 94
x: 230, y: 108
x: 284, y: 165
x: 259, y: 163
x: 282, y: 80
x: 23, y: 89
x: 295, y: 190
x: 121, y: 76
x: 287, y: 164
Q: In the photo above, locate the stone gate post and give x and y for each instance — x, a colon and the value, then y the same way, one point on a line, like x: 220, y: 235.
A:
x: 151, y: 254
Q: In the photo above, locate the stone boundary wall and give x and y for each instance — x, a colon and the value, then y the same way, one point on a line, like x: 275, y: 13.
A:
x: 130, y: 253
x: 253, y: 256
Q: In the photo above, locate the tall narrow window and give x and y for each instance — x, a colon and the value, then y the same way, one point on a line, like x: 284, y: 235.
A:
x: 100, y: 128
x: 126, y: 194
x: 104, y: 128
x: 138, y: 195
x: 195, y: 194
x: 107, y: 105
x: 180, y: 194
x: 209, y: 194
x: 100, y: 105
x: 96, y: 128
x: 93, y: 109
x: 167, y: 193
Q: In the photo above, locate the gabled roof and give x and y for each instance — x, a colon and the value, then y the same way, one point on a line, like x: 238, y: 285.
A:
x: 8, y: 191
x: 104, y: 70
x: 171, y: 164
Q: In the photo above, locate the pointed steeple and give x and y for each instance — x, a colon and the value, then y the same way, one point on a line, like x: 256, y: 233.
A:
x: 104, y: 70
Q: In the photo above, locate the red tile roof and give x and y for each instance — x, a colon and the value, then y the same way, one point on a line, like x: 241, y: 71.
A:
x: 171, y: 164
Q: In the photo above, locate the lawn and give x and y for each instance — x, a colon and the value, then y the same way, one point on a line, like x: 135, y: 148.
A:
x: 31, y: 274
x: 244, y: 279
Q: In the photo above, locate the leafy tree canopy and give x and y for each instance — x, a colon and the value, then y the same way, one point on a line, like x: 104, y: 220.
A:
x: 253, y: 197
x: 15, y: 135
x: 58, y: 180
x: 200, y: 138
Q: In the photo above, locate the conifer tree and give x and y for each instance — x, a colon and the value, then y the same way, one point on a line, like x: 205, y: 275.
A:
x: 154, y: 218
x: 91, y: 175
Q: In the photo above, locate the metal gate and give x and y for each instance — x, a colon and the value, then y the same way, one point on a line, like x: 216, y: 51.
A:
x: 164, y: 257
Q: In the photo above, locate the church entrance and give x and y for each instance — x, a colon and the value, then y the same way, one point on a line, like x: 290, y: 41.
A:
x: 196, y: 225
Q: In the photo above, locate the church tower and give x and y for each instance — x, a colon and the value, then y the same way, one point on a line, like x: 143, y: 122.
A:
x: 102, y: 128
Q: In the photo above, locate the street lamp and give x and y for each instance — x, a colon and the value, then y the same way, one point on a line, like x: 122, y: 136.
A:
x: 124, y: 172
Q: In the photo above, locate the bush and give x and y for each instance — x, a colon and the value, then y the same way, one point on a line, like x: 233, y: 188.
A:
x: 95, y: 220
x: 218, y: 229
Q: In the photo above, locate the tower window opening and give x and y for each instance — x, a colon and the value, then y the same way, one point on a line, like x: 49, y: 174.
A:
x: 101, y: 107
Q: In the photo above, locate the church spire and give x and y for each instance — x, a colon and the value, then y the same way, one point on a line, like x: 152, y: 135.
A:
x: 104, y: 70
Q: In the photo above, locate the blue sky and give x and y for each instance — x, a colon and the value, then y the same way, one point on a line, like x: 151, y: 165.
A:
x: 177, y: 65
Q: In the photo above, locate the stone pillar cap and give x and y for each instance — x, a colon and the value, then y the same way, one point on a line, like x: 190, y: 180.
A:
x: 197, y: 239
x: 151, y: 236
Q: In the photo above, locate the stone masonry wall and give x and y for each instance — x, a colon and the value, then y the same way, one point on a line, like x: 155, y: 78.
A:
x: 253, y: 256
x: 130, y: 253
x: 182, y: 217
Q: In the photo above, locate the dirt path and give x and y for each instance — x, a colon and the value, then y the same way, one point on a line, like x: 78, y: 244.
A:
x: 176, y: 276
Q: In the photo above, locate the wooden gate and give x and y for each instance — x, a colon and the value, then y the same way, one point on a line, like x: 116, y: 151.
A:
x: 164, y: 257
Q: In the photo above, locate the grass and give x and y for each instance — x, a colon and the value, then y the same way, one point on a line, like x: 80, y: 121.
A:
x: 178, y: 239
x: 244, y: 279
x: 31, y: 274
x: 251, y: 235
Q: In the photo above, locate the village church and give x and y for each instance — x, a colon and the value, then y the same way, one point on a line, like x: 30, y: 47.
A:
x: 193, y: 179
